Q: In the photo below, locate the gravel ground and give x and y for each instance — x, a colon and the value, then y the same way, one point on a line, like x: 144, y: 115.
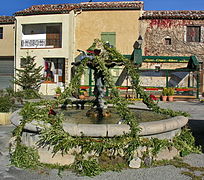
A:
x: 8, y: 172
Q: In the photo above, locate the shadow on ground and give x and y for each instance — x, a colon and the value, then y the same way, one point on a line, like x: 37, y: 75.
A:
x: 197, y: 127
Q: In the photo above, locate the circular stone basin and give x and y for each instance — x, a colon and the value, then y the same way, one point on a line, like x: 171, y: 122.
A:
x: 161, y: 129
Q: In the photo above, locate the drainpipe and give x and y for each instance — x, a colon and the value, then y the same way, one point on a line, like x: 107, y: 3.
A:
x: 15, y: 37
x: 198, y: 84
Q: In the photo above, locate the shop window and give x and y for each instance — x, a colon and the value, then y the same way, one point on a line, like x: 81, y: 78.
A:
x: 167, y: 41
x: 1, y: 32
x: 193, y: 34
x: 109, y: 37
x: 54, y: 70
x: 53, y: 36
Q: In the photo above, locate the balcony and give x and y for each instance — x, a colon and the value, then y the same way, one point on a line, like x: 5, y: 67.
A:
x: 41, y: 36
x: 41, y: 43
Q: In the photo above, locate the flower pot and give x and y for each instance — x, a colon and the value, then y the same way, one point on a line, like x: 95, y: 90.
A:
x: 57, y: 95
x: 170, y: 98
x: 86, y: 93
x: 164, y: 98
x: 5, y: 118
x: 81, y: 97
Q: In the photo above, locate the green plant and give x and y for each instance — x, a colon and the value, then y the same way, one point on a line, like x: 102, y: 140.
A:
x: 58, y: 90
x: 6, y: 100
x: 27, y: 94
x: 25, y: 157
x: 185, y: 143
x: 29, y: 76
x: 6, y: 103
x: 87, y: 167
x: 170, y: 91
x: 165, y: 92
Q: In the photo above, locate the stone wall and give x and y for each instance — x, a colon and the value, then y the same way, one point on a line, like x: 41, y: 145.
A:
x: 154, y: 32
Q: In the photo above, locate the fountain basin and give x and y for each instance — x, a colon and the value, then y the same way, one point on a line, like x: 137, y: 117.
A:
x: 166, y: 128
x: 163, y: 129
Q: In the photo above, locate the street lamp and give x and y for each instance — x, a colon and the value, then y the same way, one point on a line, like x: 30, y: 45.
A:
x: 140, y: 40
x: 138, y: 43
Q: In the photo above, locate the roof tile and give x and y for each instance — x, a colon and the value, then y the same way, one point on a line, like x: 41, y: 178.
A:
x: 65, y: 8
x: 174, y: 14
x: 7, y: 19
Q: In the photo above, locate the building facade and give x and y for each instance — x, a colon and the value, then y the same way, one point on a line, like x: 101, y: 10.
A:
x: 53, y: 33
x: 7, y: 33
x: 174, y: 33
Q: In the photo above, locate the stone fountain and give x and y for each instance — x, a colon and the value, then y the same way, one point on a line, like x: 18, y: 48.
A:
x: 164, y: 129
x: 99, y: 108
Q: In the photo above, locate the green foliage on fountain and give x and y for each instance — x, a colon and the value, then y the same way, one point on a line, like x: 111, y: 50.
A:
x: 60, y: 141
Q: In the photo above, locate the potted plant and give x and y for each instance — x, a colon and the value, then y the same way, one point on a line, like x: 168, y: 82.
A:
x: 170, y: 94
x: 81, y: 94
x: 6, y: 104
x: 164, y: 94
x: 58, y: 91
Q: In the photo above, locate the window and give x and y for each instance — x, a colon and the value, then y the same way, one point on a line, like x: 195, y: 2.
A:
x: 109, y: 37
x: 1, y: 32
x: 193, y: 34
x: 54, y: 70
x: 53, y: 36
x: 41, y: 35
x: 167, y: 41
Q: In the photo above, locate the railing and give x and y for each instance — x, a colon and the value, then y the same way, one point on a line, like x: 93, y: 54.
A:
x: 54, y: 42
x: 33, y: 43
x: 41, y: 43
x: 128, y: 92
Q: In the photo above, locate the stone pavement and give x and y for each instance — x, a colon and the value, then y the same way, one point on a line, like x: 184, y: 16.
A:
x: 196, y: 109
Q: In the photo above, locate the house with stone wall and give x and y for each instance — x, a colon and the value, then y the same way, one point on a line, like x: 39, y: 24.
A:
x: 7, y: 34
x: 174, y: 33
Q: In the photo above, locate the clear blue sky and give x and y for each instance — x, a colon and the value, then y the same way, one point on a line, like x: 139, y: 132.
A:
x: 8, y: 7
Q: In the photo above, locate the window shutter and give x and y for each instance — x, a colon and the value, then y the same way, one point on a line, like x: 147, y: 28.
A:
x: 1, y: 32
x: 53, y: 36
x: 110, y: 37
x: 193, y: 34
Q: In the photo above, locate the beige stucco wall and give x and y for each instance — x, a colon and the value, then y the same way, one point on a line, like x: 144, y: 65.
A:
x: 90, y: 25
x: 7, y: 43
x: 64, y: 52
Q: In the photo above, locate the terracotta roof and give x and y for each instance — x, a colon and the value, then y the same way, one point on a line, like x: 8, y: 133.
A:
x: 66, y: 8
x: 7, y: 19
x: 173, y: 15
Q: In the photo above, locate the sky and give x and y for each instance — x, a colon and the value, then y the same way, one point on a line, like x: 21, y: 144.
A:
x: 8, y: 7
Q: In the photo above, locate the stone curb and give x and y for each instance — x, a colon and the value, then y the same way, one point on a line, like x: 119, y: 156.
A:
x: 108, y: 130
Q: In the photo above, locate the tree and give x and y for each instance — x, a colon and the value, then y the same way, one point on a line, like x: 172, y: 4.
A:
x: 29, y: 76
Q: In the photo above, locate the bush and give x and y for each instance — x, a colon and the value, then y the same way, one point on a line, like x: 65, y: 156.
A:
x: 165, y: 92
x: 6, y: 103
x: 171, y: 91
x: 58, y: 90
x: 168, y: 91
x: 28, y: 94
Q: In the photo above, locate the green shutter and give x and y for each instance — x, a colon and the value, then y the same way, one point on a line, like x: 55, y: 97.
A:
x: 110, y: 37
